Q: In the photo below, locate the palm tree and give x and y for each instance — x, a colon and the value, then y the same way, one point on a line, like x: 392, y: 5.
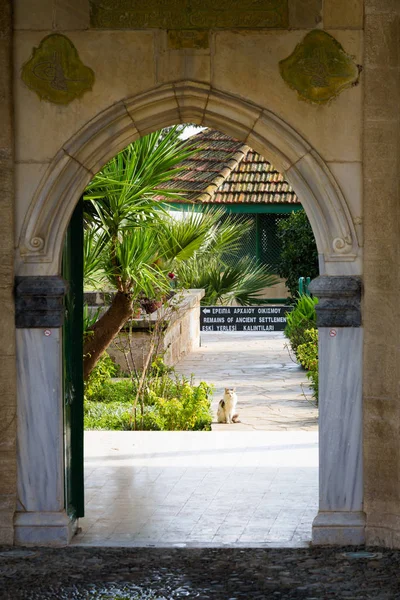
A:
x: 122, y: 226
x: 240, y: 283
x: 132, y: 242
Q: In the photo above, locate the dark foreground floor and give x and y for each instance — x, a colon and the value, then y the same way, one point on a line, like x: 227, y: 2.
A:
x: 228, y: 574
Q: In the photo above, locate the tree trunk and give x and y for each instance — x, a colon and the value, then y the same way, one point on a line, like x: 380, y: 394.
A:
x: 105, y: 330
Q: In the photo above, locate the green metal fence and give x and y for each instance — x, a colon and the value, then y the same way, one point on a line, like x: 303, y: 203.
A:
x: 262, y: 241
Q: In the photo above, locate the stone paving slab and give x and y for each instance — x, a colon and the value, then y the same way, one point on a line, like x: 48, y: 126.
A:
x: 192, y: 488
x: 273, y: 392
x: 203, y: 574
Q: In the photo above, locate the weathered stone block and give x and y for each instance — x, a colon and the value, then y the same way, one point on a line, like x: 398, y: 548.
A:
x: 382, y: 461
x: 380, y: 364
x: 71, y: 14
x: 27, y: 178
x: 7, y: 533
x: 378, y: 247
x: 33, y: 15
x: 8, y: 472
x: 187, y: 38
x: 380, y: 200
x: 304, y: 14
x: 183, y: 14
x: 7, y: 325
x: 382, y: 7
x: 343, y: 14
x: 7, y: 503
x: 378, y: 28
x: 380, y: 153
x: 174, y: 63
x: 129, y: 69
x: 6, y: 221
x: 5, y: 20
x: 6, y: 102
x: 6, y: 269
x: 8, y: 428
x: 253, y: 58
x: 8, y: 378
x: 382, y: 87
x: 381, y: 274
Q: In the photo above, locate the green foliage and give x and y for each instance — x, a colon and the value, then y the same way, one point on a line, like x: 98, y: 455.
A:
x: 171, y: 402
x: 115, y: 416
x: 89, y: 319
x: 122, y: 217
x: 180, y: 405
x: 307, y: 354
x: 299, y: 256
x: 303, y: 337
x: 301, y: 318
x: 101, y: 375
x: 241, y: 282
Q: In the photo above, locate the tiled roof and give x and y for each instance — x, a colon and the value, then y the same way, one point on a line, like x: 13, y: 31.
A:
x: 227, y: 171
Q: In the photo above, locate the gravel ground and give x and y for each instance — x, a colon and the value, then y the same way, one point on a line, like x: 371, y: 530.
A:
x: 223, y: 574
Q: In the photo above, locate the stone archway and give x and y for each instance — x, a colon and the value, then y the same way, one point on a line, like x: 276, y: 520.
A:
x: 41, y: 516
x: 90, y: 148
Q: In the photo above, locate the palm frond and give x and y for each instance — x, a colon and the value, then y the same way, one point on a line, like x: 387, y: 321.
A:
x: 241, y: 283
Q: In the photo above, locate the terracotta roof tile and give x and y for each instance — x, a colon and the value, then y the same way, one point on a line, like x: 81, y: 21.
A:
x: 229, y: 172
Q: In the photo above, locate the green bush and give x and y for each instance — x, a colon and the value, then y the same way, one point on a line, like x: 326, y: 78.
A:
x: 115, y: 416
x: 104, y: 370
x: 188, y: 410
x: 301, y: 318
x: 170, y: 403
x: 299, y: 255
x: 123, y: 391
x: 307, y: 354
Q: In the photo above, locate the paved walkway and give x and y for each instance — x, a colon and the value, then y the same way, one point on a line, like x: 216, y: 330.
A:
x: 200, y: 488
x: 273, y: 393
x: 239, y: 485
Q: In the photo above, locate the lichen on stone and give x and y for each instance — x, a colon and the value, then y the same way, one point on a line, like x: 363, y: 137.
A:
x: 319, y: 69
x: 55, y: 71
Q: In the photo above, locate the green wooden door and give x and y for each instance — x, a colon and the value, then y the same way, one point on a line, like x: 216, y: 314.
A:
x: 73, y: 365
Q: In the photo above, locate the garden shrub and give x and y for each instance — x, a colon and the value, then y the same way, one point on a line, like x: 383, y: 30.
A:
x: 307, y: 354
x: 170, y: 403
x: 115, y: 391
x: 104, y: 370
x: 299, y: 255
x: 301, y: 318
x: 115, y: 416
x: 188, y: 410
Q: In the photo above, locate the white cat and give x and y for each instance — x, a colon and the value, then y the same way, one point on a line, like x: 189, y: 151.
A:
x: 227, y: 406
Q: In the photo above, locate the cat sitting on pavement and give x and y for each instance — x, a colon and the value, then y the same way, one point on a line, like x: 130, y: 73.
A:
x: 227, y: 406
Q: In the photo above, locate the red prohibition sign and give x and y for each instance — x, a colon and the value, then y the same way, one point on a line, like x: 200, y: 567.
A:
x: 333, y: 333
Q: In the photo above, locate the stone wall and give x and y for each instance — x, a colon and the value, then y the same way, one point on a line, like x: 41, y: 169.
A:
x: 181, y: 337
x: 226, y: 66
x: 381, y: 282
x: 242, y: 62
x: 7, y: 332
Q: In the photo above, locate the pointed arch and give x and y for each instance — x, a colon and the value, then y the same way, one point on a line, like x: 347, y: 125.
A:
x: 83, y: 155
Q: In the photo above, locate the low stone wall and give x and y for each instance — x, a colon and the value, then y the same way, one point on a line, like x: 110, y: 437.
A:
x: 181, y: 336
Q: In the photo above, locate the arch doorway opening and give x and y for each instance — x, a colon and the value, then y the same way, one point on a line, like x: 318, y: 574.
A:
x: 188, y: 483
x: 337, y: 246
